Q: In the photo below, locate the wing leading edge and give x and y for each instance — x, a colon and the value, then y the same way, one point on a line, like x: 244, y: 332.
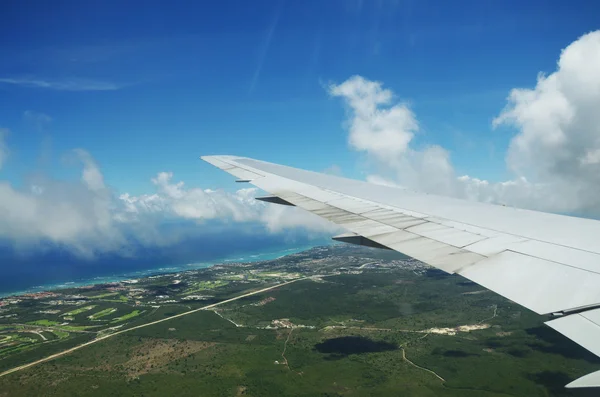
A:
x: 548, y: 263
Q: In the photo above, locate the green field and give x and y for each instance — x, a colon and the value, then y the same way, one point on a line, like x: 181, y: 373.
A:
x: 102, y: 313
x: 74, y: 328
x: 79, y: 311
x: 46, y: 323
x: 206, y: 285
x: 127, y: 316
x: 385, y: 332
x: 60, y: 334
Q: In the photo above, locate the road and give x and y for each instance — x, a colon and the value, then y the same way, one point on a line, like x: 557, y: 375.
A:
x: 418, y: 366
x: 53, y: 356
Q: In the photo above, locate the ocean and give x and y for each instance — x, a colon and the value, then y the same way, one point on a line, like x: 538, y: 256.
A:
x: 115, y: 277
x: 54, y: 267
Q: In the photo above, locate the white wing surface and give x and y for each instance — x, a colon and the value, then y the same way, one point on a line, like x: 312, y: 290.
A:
x: 548, y: 263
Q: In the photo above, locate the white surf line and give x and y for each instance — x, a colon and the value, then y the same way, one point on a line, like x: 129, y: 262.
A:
x: 56, y: 355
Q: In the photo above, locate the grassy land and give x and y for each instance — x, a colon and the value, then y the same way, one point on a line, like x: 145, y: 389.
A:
x: 74, y: 328
x: 102, y: 313
x: 44, y: 323
x: 60, y: 334
x: 127, y: 316
x: 79, y: 311
x: 120, y: 298
x: 206, y: 285
x: 378, y: 315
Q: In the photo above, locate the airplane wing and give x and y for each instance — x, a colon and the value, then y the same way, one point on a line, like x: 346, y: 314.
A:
x: 548, y: 263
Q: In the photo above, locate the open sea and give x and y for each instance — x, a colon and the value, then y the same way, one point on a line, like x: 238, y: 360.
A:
x: 98, y: 274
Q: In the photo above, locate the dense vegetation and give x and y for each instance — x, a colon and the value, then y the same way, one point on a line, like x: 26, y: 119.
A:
x: 366, y: 334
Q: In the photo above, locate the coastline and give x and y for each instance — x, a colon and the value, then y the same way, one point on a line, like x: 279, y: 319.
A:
x: 234, y: 258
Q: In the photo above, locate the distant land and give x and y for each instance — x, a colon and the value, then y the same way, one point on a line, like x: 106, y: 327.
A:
x: 53, y: 268
x: 337, y: 320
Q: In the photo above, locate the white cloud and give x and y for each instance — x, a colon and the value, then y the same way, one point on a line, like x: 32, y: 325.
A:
x: 76, y: 215
x: 385, y: 130
x: 72, y: 84
x: 175, y: 200
x: 554, y: 156
x: 38, y: 120
x: 279, y: 218
x: 558, y: 124
x: 375, y: 127
x: 87, y: 219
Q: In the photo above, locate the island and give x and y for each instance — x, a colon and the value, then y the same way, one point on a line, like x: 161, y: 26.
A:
x: 337, y: 320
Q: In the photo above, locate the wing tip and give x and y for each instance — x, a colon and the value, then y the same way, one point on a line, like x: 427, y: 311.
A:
x: 207, y: 157
x: 220, y: 157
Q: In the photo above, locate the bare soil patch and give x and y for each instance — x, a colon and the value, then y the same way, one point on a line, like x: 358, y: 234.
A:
x: 152, y: 355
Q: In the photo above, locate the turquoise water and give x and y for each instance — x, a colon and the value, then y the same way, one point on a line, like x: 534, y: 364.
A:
x: 250, y: 257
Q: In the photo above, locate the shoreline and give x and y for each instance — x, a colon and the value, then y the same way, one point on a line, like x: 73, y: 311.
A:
x: 239, y: 258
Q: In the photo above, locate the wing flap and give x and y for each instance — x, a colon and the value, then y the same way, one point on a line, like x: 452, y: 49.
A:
x: 528, y: 280
x: 494, y: 245
x: 445, y: 234
x: 583, y: 329
x: 569, y: 257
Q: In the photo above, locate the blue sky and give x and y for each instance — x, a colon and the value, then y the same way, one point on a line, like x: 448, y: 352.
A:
x: 152, y: 87
x: 107, y: 106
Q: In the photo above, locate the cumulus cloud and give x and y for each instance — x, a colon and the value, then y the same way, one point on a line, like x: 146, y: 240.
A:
x: 558, y: 124
x: 75, y: 215
x: 554, y: 155
x: 385, y: 130
x: 173, y: 199
x: 86, y: 218
x: 376, y: 127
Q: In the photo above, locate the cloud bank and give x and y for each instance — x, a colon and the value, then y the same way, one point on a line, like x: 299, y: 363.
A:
x: 554, y: 154
x: 86, y: 218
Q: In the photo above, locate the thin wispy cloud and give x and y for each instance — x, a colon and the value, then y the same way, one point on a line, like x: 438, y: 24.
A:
x: 37, y: 120
x: 265, y: 47
x: 3, y: 147
x: 63, y: 85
